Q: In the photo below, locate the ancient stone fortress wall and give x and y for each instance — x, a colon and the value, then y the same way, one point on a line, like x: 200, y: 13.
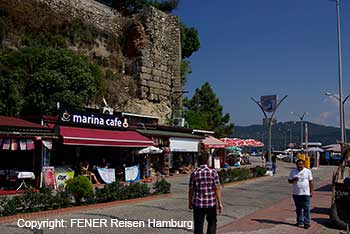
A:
x: 152, y: 49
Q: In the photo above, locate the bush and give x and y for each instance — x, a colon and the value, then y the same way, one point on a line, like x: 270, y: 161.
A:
x: 235, y: 174
x: 259, y: 171
x: 118, y: 191
x: 111, y: 192
x: 80, y: 187
x: 161, y: 186
x: 31, y: 202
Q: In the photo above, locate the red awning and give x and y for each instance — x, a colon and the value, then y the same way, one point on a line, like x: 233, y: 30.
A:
x: 98, y: 137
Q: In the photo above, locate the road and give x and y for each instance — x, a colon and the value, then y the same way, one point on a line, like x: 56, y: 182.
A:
x: 239, y: 201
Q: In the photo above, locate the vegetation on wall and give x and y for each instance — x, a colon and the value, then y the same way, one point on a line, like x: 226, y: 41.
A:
x: 34, y: 79
x: 204, y: 111
x: 128, y: 7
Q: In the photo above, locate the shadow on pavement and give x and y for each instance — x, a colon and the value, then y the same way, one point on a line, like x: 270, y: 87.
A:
x: 324, y: 222
x: 326, y: 188
x: 272, y: 222
x: 320, y: 210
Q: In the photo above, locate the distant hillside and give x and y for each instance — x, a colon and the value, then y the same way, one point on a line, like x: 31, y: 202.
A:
x: 284, y: 133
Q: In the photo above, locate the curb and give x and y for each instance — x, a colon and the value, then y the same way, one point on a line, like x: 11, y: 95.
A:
x: 40, y: 214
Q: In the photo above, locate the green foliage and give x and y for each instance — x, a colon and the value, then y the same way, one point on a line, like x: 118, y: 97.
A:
x: 258, y: 171
x: 33, y: 80
x: 234, y: 174
x: 161, y: 186
x: 31, y: 202
x: 185, y: 69
x: 189, y: 41
x: 80, y: 187
x: 204, y: 111
x: 134, y: 6
x: 118, y: 191
x: 137, y: 189
x: 111, y: 192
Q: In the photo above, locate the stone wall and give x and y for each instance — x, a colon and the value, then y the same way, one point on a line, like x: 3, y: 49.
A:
x: 152, y: 53
x: 158, y: 67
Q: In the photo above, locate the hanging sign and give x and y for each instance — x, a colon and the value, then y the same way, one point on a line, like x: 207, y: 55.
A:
x: 93, y: 119
x: 132, y: 174
x: 107, y: 174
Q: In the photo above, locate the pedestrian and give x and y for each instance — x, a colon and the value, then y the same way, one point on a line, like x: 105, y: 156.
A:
x: 204, y: 196
x: 274, y: 163
x: 301, y: 178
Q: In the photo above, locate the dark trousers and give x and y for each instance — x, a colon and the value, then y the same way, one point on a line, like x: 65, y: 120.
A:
x: 302, y: 205
x: 198, y: 216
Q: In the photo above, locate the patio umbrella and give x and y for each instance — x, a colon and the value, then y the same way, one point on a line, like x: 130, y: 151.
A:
x: 233, y: 141
x: 253, y: 143
x: 150, y: 150
x: 315, y: 149
x: 233, y: 148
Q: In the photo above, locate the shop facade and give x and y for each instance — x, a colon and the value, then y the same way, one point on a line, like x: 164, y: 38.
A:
x: 24, y: 147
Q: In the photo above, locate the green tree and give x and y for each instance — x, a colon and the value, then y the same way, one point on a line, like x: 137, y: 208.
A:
x: 189, y: 41
x: 204, y: 111
x: 189, y: 44
x: 33, y: 80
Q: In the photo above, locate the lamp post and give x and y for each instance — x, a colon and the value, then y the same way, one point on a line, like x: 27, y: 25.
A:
x: 340, y: 72
x: 301, y: 118
x: 269, y: 123
x: 341, y: 103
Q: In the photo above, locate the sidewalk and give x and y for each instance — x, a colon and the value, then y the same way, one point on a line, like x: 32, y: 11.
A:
x: 280, y: 217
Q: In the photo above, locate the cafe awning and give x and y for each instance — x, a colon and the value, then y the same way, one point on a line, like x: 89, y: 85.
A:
x: 212, y: 142
x: 183, y: 144
x: 99, y: 137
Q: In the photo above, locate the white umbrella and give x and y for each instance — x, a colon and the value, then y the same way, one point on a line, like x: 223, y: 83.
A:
x: 150, y: 150
x: 315, y: 149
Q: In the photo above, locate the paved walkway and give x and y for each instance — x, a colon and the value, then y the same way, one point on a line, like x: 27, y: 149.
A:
x: 280, y: 217
x: 267, y: 200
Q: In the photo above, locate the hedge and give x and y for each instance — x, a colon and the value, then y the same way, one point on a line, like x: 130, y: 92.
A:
x: 48, y: 200
x: 237, y: 174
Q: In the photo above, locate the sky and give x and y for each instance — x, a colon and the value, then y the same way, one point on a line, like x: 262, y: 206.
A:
x: 251, y: 48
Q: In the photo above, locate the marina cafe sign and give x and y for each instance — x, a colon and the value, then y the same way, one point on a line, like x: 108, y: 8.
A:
x: 93, y: 119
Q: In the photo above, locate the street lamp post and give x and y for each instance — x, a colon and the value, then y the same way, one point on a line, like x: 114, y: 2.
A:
x: 341, y: 103
x: 270, y: 123
x: 301, y: 118
x: 340, y: 73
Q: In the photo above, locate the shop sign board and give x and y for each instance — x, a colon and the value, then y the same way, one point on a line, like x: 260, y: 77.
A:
x: 268, y: 103
x: 62, y: 175
x: 132, y: 174
x: 48, y: 177
x: 93, y: 119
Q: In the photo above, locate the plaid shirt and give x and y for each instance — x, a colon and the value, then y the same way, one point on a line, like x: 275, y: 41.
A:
x: 203, y: 181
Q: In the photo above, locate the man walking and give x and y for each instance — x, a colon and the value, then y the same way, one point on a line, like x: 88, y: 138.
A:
x: 301, y: 178
x: 204, y: 196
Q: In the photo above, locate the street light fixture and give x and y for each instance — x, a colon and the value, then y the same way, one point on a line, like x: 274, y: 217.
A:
x: 341, y: 103
x: 269, y: 152
x: 301, y: 118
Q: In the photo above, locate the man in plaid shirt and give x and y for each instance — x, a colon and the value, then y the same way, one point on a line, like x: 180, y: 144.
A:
x: 204, y: 196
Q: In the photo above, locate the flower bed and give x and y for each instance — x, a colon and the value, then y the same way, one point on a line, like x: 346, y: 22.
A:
x: 237, y: 174
x: 80, y: 190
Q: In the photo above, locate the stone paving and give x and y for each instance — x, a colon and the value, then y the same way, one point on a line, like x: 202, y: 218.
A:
x: 266, y: 199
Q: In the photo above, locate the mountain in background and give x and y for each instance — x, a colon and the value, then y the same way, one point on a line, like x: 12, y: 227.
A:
x: 289, y: 132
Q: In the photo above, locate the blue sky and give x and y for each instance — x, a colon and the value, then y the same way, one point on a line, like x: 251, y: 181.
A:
x: 251, y: 48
